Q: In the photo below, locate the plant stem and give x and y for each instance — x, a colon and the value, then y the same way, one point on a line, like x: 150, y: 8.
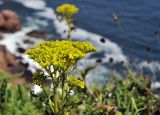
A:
x: 63, y: 95
x: 118, y: 99
x: 69, y: 29
x: 69, y: 32
x: 134, y: 104
x: 54, y: 80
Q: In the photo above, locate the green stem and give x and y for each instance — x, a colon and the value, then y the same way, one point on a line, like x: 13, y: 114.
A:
x: 54, y: 80
x: 44, y: 91
x: 50, y: 102
x: 69, y: 28
x: 63, y: 96
x: 125, y: 97
x: 134, y: 104
x: 118, y: 99
x: 69, y: 32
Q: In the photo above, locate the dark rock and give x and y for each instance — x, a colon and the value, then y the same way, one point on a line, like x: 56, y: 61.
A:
x: 122, y: 62
x: 148, y: 49
x: 9, y: 65
x: 21, y: 50
x: 73, y: 28
x: 130, y: 61
x: 38, y: 34
x: 28, y: 75
x: 156, y: 32
x: 26, y: 65
x: 103, y: 40
x: 28, y: 42
x: 110, y: 59
x: 99, y: 60
x: 1, y: 37
x: 19, y: 58
x: 64, y: 31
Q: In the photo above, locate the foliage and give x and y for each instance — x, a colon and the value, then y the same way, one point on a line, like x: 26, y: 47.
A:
x: 130, y: 96
x: 15, y: 99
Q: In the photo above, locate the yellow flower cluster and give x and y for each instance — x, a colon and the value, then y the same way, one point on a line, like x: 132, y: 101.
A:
x: 60, y: 54
x: 71, y: 80
x: 67, y: 10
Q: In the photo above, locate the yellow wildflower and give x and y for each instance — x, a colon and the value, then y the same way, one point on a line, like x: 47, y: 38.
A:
x: 73, y: 81
x: 67, y: 9
x: 60, y: 54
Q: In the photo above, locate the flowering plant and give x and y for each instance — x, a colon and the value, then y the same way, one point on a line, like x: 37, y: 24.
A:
x: 66, y: 12
x: 57, y: 58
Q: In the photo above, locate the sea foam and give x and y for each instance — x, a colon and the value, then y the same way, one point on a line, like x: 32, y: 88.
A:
x: 34, y: 4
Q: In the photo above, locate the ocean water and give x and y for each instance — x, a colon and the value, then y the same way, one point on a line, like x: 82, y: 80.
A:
x: 139, y: 20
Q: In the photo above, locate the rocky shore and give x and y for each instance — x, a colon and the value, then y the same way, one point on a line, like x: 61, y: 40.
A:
x: 9, y: 62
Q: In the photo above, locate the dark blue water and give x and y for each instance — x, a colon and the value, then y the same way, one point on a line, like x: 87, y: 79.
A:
x: 139, y: 19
